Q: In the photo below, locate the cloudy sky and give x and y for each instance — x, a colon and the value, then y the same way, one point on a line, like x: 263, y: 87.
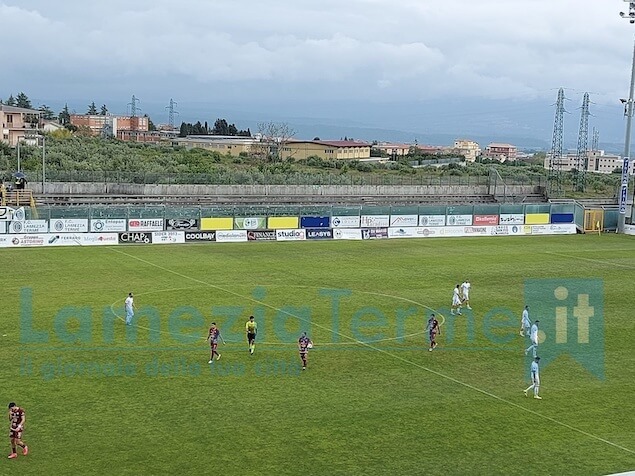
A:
x: 417, y: 65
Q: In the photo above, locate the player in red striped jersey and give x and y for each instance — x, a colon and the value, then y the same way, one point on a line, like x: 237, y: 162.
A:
x: 434, y: 330
x: 17, y: 418
x: 304, y: 344
x: 212, y: 337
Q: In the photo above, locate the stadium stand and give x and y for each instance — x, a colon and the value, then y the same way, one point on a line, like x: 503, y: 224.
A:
x: 77, y: 199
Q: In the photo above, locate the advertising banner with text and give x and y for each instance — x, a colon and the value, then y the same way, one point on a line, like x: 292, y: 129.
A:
x: 374, y: 233
x: 108, y: 225
x: 166, y: 237
x: 459, y: 220
x: 431, y: 220
x: 82, y: 239
x: 319, y: 234
x: 345, y: 221
x: 347, y: 234
x: 261, y: 235
x: 373, y: 221
x: 485, y: 219
x: 145, y: 224
x: 35, y: 239
x: 555, y: 229
x: 181, y: 224
x: 231, y: 236
x: 291, y: 235
x: 200, y: 236
x: 136, y: 238
x: 61, y: 239
x: 69, y: 225
x: 404, y: 220
x: 29, y: 226
x: 512, y: 219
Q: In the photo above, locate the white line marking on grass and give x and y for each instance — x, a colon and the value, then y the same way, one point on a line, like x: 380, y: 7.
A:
x: 394, y: 356
x: 592, y: 260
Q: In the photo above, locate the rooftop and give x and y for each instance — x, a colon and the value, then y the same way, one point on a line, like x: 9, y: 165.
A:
x: 334, y: 143
x: 18, y: 110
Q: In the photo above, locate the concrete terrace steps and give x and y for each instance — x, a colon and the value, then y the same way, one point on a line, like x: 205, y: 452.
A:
x: 102, y: 199
x: 598, y: 202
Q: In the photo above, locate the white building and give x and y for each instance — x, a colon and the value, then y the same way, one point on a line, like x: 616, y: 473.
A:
x: 597, y: 161
x: 467, y: 148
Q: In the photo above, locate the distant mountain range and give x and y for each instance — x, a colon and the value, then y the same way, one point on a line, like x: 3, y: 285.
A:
x: 527, y: 124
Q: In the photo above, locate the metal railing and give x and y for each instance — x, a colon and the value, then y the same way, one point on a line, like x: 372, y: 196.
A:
x: 255, y: 177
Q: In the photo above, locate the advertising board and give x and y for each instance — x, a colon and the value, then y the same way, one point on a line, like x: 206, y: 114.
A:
x: 108, y: 225
x: 373, y: 221
x: 431, y: 220
x: 69, y: 225
x: 181, y: 224
x: 345, y: 221
x: 137, y: 238
x: 145, y: 224
x: 291, y: 235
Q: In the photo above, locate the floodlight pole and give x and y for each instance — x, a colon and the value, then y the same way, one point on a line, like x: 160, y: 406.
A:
x: 623, y: 198
x: 43, y: 162
x: 628, y: 112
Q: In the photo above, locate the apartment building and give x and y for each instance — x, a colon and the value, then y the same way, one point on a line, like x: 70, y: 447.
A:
x: 500, y: 152
x: 19, y: 124
x: 467, y: 148
x: 596, y: 161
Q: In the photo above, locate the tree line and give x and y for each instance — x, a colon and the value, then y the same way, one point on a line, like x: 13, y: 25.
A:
x: 23, y: 101
x: 221, y: 128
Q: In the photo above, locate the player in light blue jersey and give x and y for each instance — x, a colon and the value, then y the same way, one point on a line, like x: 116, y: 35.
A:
x: 525, y: 323
x: 533, y: 335
x: 534, y: 372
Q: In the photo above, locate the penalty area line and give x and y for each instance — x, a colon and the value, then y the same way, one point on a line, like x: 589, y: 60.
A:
x: 394, y: 356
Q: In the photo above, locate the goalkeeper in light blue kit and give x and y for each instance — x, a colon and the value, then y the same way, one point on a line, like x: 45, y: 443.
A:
x: 534, y: 372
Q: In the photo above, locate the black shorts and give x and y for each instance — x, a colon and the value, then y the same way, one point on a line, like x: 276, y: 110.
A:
x: 250, y: 337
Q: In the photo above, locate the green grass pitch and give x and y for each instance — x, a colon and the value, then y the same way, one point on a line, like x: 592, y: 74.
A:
x: 100, y: 401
